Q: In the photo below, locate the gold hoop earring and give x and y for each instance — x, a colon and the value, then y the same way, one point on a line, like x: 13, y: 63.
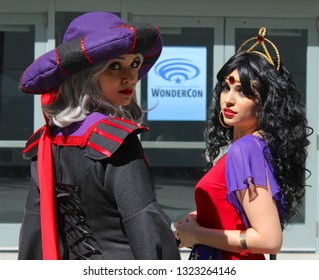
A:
x: 222, y: 122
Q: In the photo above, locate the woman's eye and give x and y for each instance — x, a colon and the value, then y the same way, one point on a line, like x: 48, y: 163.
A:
x: 241, y: 92
x: 135, y: 64
x: 114, y: 66
x: 225, y: 87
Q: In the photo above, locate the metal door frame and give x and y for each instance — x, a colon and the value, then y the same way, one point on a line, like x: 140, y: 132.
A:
x: 9, y: 232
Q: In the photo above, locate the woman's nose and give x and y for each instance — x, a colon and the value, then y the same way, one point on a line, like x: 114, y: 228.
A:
x: 230, y: 99
x: 129, y: 77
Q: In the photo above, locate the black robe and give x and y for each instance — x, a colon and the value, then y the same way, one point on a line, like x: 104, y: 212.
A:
x: 105, y: 201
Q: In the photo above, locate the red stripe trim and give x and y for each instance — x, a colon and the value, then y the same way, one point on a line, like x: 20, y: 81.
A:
x: 117, y: 125
x: 107, y: 135
x: 84, y: 51
x: 134, y: 40
x: 133, y: 124
x: 151, y: 55
x: 80, y: 141
x: 69, y: 141
x: 58, y: 62
x: 125, y: 121
x: 99, y: 149
x: 29, y: 147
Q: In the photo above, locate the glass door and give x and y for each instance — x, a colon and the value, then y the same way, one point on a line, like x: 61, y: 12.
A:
x: 22, y: 38
x: 296, y: 41
x: 176, y: 94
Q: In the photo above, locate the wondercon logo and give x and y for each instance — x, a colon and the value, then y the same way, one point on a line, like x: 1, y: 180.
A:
x: 176, y: 70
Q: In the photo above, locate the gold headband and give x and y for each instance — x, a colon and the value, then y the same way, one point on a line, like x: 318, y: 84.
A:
x: 260, y: 40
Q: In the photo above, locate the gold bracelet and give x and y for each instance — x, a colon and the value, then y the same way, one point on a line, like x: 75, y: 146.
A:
x: 243, y: 244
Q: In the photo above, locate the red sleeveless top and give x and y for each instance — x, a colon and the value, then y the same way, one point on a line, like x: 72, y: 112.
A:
x: 214, y: 210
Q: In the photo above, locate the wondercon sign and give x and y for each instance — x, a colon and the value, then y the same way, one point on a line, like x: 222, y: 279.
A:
x: 176, y: 85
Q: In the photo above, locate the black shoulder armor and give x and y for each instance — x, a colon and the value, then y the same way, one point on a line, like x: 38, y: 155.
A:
x: 31, y: 147
x: 103, y: 138
x: 108, y: 136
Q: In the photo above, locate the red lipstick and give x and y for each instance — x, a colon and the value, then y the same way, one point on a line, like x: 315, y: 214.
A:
x: 127, y: 91
x: 229, y: 113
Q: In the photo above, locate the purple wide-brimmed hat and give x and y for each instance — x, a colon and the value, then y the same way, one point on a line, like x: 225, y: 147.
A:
x: 90, y: 39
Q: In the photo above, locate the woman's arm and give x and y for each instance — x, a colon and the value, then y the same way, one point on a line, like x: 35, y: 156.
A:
x: 264, y: 236
x: 30, y: 240
x: 146, y: 226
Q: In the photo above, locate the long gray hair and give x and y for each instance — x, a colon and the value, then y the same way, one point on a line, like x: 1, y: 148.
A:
x: 81, y: 95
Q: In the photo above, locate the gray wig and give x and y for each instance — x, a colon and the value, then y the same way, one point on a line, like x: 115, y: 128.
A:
x: 81, y: 95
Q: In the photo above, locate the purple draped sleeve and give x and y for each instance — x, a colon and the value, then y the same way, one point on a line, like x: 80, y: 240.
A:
x: 245, y: 159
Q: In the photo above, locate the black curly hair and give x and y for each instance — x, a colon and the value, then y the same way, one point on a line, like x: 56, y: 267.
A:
x: 281, y: 120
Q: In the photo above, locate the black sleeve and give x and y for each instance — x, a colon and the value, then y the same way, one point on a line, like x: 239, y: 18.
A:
x: 146, y: 225
x: 30, y: 245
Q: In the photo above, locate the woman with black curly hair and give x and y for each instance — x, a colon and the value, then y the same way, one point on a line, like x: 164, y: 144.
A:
x: 251, y: 192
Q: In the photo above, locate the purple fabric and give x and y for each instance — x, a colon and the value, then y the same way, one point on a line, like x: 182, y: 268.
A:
x: 78, y: 128
x: 34, y: 79
x: 245, y: 158
x: 89, y: 23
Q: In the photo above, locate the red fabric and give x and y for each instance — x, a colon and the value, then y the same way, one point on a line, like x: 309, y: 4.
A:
x: 32, y: 143
x: 48, y: 98
x: 99, y: 149
x: 134, y: 41
x: 108, y: 135
x: 50, y: 249
x: 85, y: 52
x: 213, y: 209
x: 129, y: 130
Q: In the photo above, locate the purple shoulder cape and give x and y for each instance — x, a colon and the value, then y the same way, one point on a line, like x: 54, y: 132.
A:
x: 245, y: 158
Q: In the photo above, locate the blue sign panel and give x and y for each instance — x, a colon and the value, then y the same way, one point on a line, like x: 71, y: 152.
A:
x: 176, y: 89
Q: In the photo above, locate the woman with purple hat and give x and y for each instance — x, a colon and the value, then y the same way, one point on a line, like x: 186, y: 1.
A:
x: 91, y: 195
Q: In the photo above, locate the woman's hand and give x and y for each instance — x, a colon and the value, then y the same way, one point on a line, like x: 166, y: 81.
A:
x: 186, y: 230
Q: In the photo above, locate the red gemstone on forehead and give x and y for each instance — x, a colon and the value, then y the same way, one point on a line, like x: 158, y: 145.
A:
x: 231, y: 80
x: 260, y: 38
